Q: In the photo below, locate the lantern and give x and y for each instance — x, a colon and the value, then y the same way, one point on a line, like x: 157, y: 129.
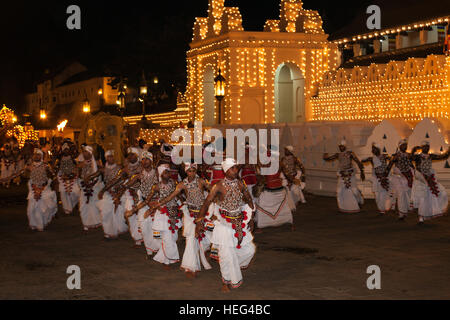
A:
x: 43, y: 114
x: 219, y: 92
x: 86, y: 106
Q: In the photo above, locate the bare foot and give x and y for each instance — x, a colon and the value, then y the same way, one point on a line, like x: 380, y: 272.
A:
x: 292, y: 228
x: 190, y: 275
x: 225, y: 288
x: 166, y: 267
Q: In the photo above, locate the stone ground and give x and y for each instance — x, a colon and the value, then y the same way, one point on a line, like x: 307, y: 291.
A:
x: 325, y: 258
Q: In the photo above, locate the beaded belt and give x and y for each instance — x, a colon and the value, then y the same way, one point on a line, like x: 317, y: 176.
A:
x: 237, y: 223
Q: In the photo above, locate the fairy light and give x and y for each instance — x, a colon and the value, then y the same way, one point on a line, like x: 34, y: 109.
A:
x: 410, y: 90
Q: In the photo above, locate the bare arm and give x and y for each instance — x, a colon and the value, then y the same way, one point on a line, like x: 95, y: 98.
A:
x: 180, y: 188
x: 214, y: 192
x: 360, y: 166
x: 330, y: 158
x: 443, y: 156
x: 367, y: 160
x: 247, y: 196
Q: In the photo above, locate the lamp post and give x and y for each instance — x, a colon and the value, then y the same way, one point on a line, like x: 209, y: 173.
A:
x: 143, y: 90
x: 219, y: 92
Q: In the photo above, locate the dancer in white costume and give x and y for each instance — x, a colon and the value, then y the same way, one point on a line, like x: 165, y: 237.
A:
x: 194, y: 188
x: 147, y: 180
x: 273, y: 207
x: 42, y: 200
x: 231, y: 234
x: 293, y: 175
x: 349, y: 197
x: 167, y: 220
x: 126, y: 197
x: 90, y: 186
x: 402, y: 179
x: 67, y: 177
x: 7, y: 165
x: 381, y: 181
x: 428, y: 195
x: 113, y: 220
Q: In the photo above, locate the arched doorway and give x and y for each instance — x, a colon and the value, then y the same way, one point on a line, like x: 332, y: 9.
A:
x: 209, y: 105
x: 289, y: 94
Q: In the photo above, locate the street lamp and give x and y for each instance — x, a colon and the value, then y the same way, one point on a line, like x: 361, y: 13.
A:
x: 86, y: 106
x: 143, y: 90
x: 219, y: 92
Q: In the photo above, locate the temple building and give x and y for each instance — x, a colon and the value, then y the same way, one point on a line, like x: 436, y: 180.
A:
x: 271, y: 75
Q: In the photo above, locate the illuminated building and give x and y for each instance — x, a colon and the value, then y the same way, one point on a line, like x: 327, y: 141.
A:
x: 270, y: 75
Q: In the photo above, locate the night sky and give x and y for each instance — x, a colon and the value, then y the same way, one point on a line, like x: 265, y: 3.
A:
x: 125, y: 36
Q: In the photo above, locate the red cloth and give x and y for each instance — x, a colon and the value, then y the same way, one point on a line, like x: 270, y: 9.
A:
x: 274, y: 181
x: 249, y: 176
x: 217, y: 175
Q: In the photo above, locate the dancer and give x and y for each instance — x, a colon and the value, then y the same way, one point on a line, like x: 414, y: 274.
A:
x: 7, y: 165
x: 67, y: 177
x: 402, y: 179
x: 167, y: 219
x: 381, y: 184
x: 428, y: 195
x: 147, y: 180
x: 294, y: 175
x: 194, y: 188
x: 90, y: 186
x: 42, y: 200
x: 231, y: 234
x: 349, y: 197
x: 274, y: 205
x: 111, y: 210
x: 126, y: 197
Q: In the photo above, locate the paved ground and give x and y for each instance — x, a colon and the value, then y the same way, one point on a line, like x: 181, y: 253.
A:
x: 325, y: 258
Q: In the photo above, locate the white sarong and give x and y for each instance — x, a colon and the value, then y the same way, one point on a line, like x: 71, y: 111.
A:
x: 168, y: 253
x: 40, y: 213
x: 133, y: 221
x: 429, y: 205
x: 272, y: 209
x: 349, y: 199
x: 402, y: 192
x: 113, y: 220
x: 69, y: 200
x: 383, y: 197
x: 231, y: 258
x: 89, y: 213
x: 194, y: 253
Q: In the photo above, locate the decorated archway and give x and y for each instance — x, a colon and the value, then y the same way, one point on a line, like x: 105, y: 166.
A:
x: 289, y: 94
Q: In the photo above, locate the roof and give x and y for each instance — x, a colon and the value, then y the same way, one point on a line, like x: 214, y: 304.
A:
x: 82, y: 76
x: 395, y: 13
